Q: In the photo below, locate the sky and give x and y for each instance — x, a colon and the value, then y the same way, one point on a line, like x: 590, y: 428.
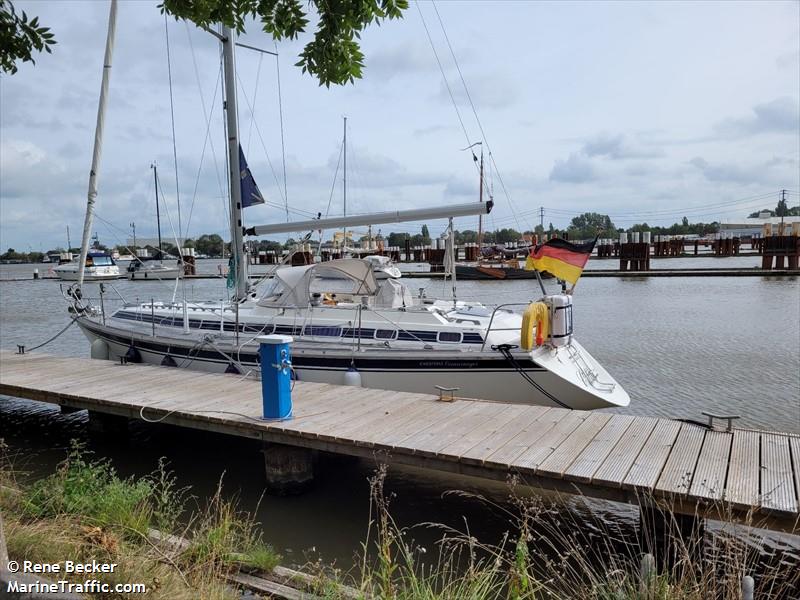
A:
x: 646, y: 111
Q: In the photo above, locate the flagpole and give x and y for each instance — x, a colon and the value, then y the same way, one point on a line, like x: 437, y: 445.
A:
x: 541, y: 283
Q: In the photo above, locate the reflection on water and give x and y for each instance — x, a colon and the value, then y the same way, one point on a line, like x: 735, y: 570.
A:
x: 679, y: 346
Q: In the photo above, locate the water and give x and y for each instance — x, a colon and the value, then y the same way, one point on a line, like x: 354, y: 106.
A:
x: 679, y: 346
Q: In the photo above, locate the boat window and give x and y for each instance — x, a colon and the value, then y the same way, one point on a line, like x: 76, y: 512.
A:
x: 100, y: 261
x: 385, y: 334
x: 322, y: 330
x: 449, y: 337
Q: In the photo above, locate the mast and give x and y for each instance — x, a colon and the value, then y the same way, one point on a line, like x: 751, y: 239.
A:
x: 69, y: 242
x: 98, y: 141
x: 158, y: 210
x: 344, y: 186
x: 237, y: 242
x: 480, y: 215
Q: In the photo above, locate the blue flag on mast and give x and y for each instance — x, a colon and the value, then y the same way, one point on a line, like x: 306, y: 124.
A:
x: 250, y: 193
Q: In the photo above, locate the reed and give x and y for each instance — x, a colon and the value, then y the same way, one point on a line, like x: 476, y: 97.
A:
x: 86, y: 511
x: 550, y: 552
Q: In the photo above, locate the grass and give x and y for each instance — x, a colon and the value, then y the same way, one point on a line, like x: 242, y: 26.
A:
x: 549, y: 553
x: 87, y: 511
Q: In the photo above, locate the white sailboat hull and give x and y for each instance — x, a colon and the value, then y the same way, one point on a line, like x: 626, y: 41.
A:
x: 484, y: 375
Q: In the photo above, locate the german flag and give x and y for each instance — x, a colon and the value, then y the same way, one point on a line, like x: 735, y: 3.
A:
x: 561, y: 258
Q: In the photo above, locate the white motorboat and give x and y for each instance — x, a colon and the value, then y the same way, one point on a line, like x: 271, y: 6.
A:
x: 154, y: 270
x: 100, y: 266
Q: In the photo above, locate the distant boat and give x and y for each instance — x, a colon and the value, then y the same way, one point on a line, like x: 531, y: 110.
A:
x: 155, y: 268
x: 495, y: 273
x: 100, y: 266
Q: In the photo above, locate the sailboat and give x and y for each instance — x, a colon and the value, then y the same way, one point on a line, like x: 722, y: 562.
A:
x: 351, y: 328
x: 148, y: 268
x: 494, y: 263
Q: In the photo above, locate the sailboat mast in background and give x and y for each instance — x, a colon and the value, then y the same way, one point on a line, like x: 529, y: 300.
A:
x: 158, y: 210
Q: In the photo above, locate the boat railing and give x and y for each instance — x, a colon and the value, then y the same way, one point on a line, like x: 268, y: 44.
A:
x: 501, y: 308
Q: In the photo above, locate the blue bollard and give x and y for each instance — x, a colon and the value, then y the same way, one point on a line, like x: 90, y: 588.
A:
x: 276, y: 375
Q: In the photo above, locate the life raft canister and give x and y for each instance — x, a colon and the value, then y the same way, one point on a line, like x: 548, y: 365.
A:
x: 561, y: 326
x: 536, y: 318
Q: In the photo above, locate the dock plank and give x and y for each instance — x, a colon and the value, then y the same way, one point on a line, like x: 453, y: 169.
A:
x: 777, y: 480
x: 649, y: 463
x: 503, y: 419
x: 679, y: 469
x: 742, y: 486
x: 573, y: 446
x: 619, y: 461
x: 537, y: 452
x: 432, y: 440
x: 599, y: 448
x: 503, y: 448
x: 712, y: 466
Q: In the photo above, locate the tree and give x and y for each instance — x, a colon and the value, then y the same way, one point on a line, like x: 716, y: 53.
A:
x: 19, y: 37
x: 426, y: 236
x: 210, y: 245
x: 333, y: 56
x: 781, y: 210
x: 589, y: 225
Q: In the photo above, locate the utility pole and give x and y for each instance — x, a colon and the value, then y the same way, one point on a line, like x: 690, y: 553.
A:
x: 541, y: 217
x: 783, y: 209
x: 133, y: 226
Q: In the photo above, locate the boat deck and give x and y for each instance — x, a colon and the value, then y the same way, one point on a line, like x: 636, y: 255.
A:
x: 730, y: 475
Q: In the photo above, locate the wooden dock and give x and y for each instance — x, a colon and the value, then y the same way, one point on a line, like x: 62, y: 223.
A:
x: 696, y: 470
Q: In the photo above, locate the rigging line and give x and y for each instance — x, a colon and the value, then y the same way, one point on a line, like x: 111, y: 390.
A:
x: 203, y: 153
x: 255, y: 95
x: 333, y: 185
x: 207, y: 116
x: 261, y: 139
x: 172, y: 115
x: 169, y: 218
x: 444, y: 77
x: 283, y: 144
x: 474, y: 111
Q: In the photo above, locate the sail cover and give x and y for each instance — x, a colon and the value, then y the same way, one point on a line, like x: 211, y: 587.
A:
x: 250, y: 193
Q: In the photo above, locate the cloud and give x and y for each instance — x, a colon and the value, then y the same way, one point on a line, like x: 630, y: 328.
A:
x: 576, y: 169
x: 788, y: 60
x: 491, y: 90
x: 781, y: 115
x: 617, y: 147
x: 400, y: 60
x: 460, y: 187
x: 746, y: 174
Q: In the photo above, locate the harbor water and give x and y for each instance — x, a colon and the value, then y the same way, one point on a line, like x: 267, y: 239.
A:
x: 678, y: 345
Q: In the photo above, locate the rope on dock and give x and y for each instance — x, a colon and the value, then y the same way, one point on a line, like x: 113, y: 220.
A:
x: 75, y: 318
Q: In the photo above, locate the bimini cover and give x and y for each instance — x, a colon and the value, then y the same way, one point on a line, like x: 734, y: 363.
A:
x: 291, y: 286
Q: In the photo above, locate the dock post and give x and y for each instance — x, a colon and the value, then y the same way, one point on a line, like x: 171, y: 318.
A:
x: 289, y: 469
x: 669, y: 535
x: 108, y: 425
